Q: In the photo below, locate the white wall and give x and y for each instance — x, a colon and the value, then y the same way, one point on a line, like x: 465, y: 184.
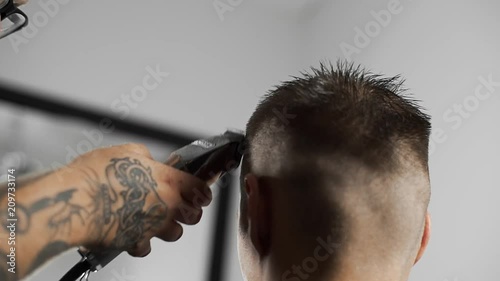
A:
x: 441, y: 48
x: 93, y: 52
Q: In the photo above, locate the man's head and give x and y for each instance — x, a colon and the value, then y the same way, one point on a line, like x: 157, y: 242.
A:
x: 335, y: 183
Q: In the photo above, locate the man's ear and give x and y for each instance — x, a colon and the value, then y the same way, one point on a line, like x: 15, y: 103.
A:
x: 258, y: 213
x: 425, y: 237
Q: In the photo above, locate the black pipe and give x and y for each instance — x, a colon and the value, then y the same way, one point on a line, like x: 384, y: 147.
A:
x: 53, y: 106
x: 218, y: 252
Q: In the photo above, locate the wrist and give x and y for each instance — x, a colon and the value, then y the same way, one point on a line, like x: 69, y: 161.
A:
x: 66, y: 189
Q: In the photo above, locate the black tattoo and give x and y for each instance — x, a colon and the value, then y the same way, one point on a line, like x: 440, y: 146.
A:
x: 6, y: 273
x: 62, y: 219
x: 63, y: 212
x: 51, y: 250
x: 133, y: 219
x: 102, y: 217
x: 106, y: 203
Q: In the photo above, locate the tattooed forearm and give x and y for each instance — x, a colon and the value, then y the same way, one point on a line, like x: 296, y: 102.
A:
x: 6, y: 272
x: 24, y: 181
x: 62, y: 214
x: 59, y: 213
x: 50, y: 213
x: 48, y: 252
x: 44, y: 255
x: 118, y: 207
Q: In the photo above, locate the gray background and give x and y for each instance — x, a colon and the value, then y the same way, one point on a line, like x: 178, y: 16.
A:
x: 92, y: 52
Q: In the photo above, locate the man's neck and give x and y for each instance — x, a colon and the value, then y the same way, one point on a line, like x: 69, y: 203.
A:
x: 316, y: 277
x: 345, y: 273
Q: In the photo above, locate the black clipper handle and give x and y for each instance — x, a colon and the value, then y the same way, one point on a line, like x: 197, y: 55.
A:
x: 210, y: 158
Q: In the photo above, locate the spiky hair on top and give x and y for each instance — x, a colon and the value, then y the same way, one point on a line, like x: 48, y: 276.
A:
x: 344, y: 108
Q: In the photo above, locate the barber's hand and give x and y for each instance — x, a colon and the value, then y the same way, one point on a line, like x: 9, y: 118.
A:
x: 132, y: 198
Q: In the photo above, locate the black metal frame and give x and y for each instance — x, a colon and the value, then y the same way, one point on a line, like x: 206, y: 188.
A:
x: 27, y: 98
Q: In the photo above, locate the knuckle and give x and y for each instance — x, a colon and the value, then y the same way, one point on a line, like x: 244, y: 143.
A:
x: 169, y: 176
x: 171, y: 197
x: 137, y: 147
x: 176, y: 196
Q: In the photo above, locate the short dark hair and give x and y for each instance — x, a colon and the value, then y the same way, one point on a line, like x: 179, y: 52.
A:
x: 357, y: 112
x: 341, y: 112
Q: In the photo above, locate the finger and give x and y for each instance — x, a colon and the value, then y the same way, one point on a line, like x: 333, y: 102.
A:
x: 138, y: 148
x: 191, y: 188
x: 141, y: 249
x: 198, y: 197
x: 188, y: 214
x: 171, y: 233
x: 202, y: 198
